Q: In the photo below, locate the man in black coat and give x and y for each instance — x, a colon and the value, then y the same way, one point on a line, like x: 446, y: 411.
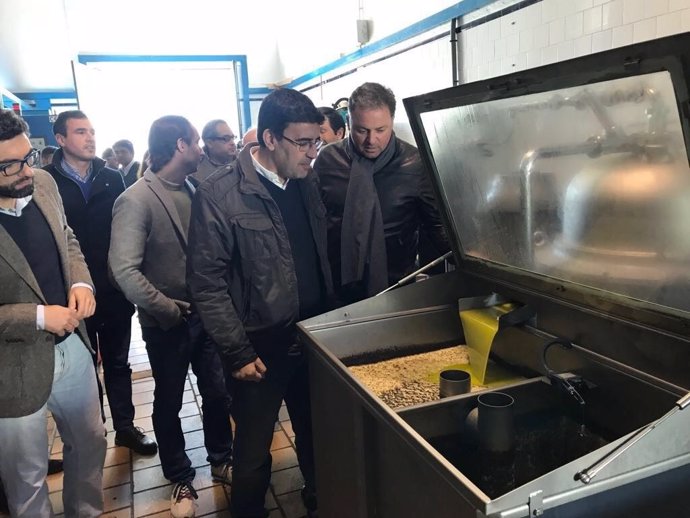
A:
x: 378, y: 199
x: 124, y: 153
x: 257, y: 265
x: 88, y: 189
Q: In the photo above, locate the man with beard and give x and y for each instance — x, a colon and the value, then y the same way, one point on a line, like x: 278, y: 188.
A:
x: 148, y: 259
x: 220, y: 148
x: 258, y: 265
x: 45, y: 360
x: 378, y: 199
x: 89, y: 189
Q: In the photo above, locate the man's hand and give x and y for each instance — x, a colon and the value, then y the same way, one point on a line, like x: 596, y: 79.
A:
x: 59, y: 319
x: 81, y: 300
x: 254, y: 371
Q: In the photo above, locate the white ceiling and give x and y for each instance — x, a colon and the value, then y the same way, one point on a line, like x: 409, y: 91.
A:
x: 39, y: 38
x: 281, y: 39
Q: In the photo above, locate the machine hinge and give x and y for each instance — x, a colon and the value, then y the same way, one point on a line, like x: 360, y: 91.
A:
x: 536, y: 504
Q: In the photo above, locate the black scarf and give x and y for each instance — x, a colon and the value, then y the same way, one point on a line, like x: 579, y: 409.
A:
x: 362, y: 240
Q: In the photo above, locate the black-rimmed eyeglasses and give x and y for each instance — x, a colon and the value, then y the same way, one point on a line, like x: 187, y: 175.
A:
x: 14, y: 167
x: 305, y: 145
x: 224, y: 138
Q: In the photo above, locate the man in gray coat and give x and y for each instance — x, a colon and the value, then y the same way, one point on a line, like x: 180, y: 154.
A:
x: 45, y: 359
x: 148, y: 258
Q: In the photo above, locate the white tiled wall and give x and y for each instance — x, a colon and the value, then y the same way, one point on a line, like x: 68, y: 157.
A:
x: 543, y: 33
x: 556, y: 30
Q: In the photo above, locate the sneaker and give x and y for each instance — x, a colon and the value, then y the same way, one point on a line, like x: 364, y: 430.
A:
x: 134, y: 439
x: 222, y: 473
x: 182, y: 504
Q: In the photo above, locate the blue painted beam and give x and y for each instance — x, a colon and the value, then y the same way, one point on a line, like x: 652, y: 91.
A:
x: 161, y: 58
x: 50, y: 94
x: 422, y: 26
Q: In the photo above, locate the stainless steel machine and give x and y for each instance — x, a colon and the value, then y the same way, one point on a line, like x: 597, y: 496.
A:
x: 565, y: 190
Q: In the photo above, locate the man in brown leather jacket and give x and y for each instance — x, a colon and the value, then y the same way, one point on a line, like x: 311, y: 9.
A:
x: 257, y: 265
x: 378, y: 199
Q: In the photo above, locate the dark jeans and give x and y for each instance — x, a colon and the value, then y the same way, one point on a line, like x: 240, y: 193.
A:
x: 111, y: 335
x: 255, y: 410
x: 170, y: 353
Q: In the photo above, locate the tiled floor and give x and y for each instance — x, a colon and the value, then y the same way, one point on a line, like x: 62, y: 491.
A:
x: 134, y: 486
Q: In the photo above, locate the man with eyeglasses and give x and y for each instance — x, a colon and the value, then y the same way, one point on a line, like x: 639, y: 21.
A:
x: 220, y: 148
x: 379, y: 201
x: 45, y: 359
x: 257, y: 265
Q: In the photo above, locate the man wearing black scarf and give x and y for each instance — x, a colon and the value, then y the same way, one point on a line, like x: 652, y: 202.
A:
x: 378, y: 199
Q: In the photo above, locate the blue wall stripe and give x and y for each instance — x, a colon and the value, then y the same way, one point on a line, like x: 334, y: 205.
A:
x: 422, y: 26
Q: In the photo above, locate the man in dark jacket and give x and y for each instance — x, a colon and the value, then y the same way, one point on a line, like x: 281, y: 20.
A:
x: 378, y: 198
x: 88, y: 189
x: 257, y: 265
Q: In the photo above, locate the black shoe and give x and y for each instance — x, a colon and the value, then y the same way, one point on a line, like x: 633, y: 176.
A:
x: 54, y: 466
x: 310, y: 502
x: 134, y: 439
x: 4, y: 506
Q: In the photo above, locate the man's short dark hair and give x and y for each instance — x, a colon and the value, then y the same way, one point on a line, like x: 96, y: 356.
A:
x: 127, y: 144
x: 48, y: 150
x: 60, y: 124
x: 370, y: 96
x: 163, y: 137
x: 282, y: 107
x: 334, y: 118
x: 209, y: 130
x: 11, y: 125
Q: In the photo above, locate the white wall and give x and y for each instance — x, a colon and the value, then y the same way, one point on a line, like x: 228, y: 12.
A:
x: 557, y: 30
x: 545, y: 32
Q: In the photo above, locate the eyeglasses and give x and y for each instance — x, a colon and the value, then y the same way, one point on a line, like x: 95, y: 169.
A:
x: 14, y: 167
x: 224, y: 138
x: 305, y: 145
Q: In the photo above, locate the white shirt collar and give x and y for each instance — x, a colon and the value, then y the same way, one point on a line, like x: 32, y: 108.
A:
x: 269, y: 175
x: 125, y: 169
x: 18, y: 207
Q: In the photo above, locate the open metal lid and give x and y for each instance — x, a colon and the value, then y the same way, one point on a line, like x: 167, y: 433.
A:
x: 572, y: 178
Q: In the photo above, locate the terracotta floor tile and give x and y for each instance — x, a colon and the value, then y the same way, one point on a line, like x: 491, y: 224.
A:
x: 116, y: 475
x: 142, y: 397
x: 117, y: 455
x: 54, y: 482
x: 117, y: 497
x: 142, y: 462
x: 135, y: 359
x: 143, y: 410
x: 145, y: 423
x: 283, y: 414
x: 56, y: 502
x: 286, y: 481
x: 120, y: 513
x: 292, y: 505
x: 189, y: 409
x: 287, y: 427
x: 280, y: 440
x: 212, y: 500
x: 197, y: 456
x: 149, y: 478
x: 191, y: 423
x: 283, y: 458
x: 152, y: 501
x: 146, y: 385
